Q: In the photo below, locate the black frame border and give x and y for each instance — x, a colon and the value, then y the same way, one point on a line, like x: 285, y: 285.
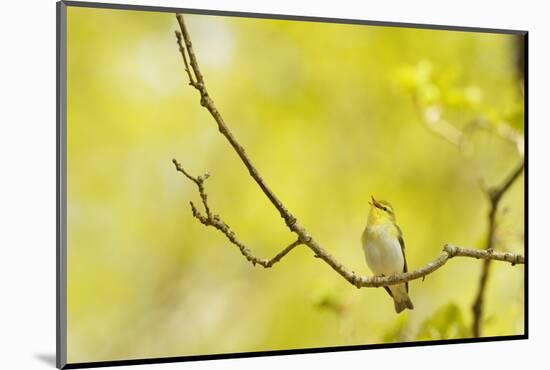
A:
x: 61, y: 185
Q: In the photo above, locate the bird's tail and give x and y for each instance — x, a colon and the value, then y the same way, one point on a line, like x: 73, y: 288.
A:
x: 401, y: 299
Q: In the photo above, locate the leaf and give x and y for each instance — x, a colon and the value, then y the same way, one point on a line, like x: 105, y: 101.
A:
x: 428, y: 94
x: 415, y: 78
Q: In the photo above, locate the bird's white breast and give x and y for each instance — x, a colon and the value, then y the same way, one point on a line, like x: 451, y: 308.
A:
x: 382, y: 251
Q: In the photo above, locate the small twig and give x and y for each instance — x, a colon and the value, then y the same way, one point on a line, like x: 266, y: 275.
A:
x: 184, y: 57
x: 432, y: 118
x: 215, y: 221
x: 199, y: 181
x: 503, y: 130
x: 189, y: 48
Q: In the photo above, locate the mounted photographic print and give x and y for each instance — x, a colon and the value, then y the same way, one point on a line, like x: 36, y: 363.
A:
x: 234, y: 184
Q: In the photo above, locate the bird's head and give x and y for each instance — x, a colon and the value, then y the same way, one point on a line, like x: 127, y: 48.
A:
x: 380, y: 212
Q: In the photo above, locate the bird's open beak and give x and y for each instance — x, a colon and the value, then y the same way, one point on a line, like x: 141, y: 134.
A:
x: 374, y: 202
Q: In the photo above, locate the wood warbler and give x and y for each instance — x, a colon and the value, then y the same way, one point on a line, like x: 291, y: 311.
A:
x: 385, y: 250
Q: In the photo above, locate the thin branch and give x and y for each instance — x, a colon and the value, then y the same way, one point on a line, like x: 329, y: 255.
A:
x: 432, y: 118
x: 189, y: 48
x: 513, y: 258
x: 494, y: 195
x: 504, y: 131
x: 199, y: 181
x: 184, y: 57
x: 497, y: 192
x: 449, y: 251
x: 215, y: 221
x: 208, y: 103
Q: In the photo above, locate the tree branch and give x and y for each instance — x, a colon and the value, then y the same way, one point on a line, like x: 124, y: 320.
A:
x: 449, y: 251
x: 432, y: 118
x: 494, y: 196
x: 196, y: 80
x: 497, y: 192
x: 504, y: 131
x: 208, y: 103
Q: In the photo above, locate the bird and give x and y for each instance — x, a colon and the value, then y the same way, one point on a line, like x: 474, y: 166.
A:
x: 384, y: 249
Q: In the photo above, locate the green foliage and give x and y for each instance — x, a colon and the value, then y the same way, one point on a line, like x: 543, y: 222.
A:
x: 443, y: 88
x: 327, y: 299
x: 397, y: 333
x: 514, y: 115
x: 429, y: 88
x: 445, y: 323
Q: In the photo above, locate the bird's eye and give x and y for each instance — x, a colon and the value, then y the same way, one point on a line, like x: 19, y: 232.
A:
x: 385, y: 209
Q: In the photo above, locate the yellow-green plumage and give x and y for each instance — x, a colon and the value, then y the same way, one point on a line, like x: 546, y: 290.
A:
x: 385, y: 250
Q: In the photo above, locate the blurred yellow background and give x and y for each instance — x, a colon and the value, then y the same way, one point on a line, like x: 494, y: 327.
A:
x: 326, y: 113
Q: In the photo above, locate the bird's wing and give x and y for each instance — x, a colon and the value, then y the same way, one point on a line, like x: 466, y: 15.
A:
x: 402, y: 243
